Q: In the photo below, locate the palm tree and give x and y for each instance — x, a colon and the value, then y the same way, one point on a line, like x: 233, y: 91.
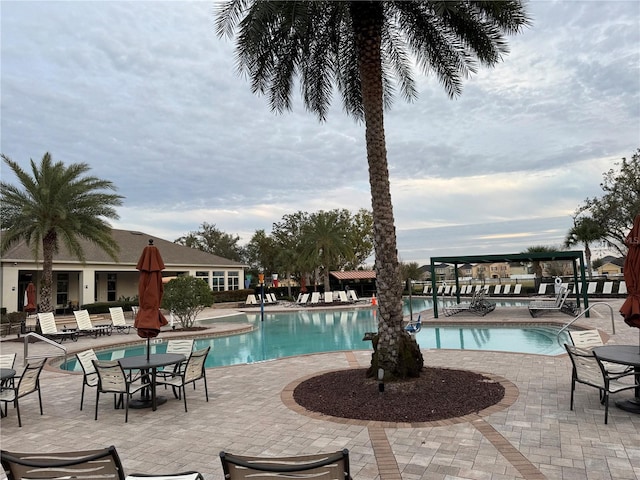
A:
x: 367, y: 47
x: 56, y: 204
x: 585, y: 230
x: 537, y: 266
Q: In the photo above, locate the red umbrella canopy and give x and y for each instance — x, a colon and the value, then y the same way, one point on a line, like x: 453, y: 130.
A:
x: 149, y: 318
x: 630, y: 309
x: 30, y: 294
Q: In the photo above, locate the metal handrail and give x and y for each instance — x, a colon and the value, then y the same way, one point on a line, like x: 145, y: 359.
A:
x: 44, y: 339
x: 613, y: 325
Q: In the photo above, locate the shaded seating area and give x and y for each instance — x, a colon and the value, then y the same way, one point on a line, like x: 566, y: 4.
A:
x: 327, y: 466
x: 589, y: 370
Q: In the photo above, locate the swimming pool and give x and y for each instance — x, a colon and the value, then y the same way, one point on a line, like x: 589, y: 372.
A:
x: 313, y: 331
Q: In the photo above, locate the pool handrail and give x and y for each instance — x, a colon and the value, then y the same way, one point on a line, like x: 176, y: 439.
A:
x: 581, y: 314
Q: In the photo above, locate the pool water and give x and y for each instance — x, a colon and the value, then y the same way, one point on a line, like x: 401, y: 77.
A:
x: 312, y: 331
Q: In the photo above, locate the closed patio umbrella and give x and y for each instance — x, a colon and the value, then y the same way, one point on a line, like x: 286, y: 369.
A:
x: 150, y: 319
x: 630, y: 309
x: 30, y: 298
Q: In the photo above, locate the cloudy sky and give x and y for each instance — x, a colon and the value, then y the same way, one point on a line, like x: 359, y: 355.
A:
x: 147, y: 94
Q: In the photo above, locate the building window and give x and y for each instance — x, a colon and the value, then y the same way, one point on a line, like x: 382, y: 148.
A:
x: 111, y: 287
x: 62, y: 289
x: 234, y: 280
x: 204, y: 276
x: 218, y: 282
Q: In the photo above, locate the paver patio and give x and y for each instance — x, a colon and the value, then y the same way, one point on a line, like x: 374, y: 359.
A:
x: 250, y: 412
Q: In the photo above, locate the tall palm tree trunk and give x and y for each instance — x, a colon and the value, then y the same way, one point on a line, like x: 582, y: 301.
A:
x: 367, y: 19
x: 46, y: 289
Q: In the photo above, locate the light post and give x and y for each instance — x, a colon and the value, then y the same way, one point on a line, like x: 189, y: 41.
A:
x: 261, y: 280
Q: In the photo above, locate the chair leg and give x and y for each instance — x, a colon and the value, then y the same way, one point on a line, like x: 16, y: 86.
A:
x: 97, y: 400
x: 17, y: 407
x: 606, y: 407
x: 573, y: 387
x: 82, y: 396
x: 184, y: 396
x: 40, y: 399
x: 206, y: 391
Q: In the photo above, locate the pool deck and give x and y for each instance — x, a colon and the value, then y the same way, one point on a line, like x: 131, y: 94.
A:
x: 532, y: 435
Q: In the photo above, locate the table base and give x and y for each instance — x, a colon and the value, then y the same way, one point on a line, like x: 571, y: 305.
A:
x: 146, y: 403
x: 630, y: 405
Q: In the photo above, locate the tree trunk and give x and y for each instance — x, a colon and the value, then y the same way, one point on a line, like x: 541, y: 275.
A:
x: 46, y: 289
x: 394, y: 351
x: 587, y: 254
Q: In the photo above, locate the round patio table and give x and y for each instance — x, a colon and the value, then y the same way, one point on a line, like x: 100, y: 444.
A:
x: 623, y: 355
x: 149, y: 367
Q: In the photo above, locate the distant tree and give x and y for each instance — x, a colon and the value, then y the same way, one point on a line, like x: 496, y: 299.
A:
x: 367, y: 49
x: 287, y: 235
x: 585, y: 231
x: 212, y: 240
x: 261, y: 253
x: 55, y: 204
x: 360, y: 232
x: 616, y: 209
x: 537, y: 266
x: 325, y: 241
x: 410, y: 271
x: 186, y: 297
x: 597, y: 263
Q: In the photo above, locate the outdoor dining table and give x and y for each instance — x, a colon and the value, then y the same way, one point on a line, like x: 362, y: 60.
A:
x: 624, y: 355
x: 149, y: 367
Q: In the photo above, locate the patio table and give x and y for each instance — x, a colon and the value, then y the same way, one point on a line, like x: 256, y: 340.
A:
x: 149, y: 367
x: 623, y: 355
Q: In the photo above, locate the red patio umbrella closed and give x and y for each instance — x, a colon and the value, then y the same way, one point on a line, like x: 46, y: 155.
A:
x: 30, y: 296
x: 150, y: 319
x: 630, y: 309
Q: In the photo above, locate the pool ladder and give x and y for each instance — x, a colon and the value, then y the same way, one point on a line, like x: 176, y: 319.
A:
x: 582, y: 314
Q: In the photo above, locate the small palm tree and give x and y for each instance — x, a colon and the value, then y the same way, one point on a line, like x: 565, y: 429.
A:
x: 366, y: 48
x: 56, y: 204
x: 585, y: 230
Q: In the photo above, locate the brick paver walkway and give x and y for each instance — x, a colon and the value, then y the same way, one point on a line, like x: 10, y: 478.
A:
x: 533, y: 435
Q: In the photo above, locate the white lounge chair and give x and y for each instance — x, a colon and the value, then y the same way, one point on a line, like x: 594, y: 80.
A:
x: 303, y: 299
x: 353, y: 295
x: 517, y: 289
x: 86, y: 327
x: 328, y: 297
x: 251, y: 300
x: 447, y: 289
x: 542, y: 290
x: 607, y: 288
x: 118, y: 321
x: 315, y: 298
x: 50, y: 330
x: 342, y: 296
x: 507, y: 289
x: 426, y: 290
x: 591, y: 289
x: 496, y: 289
x: 622, y: 288
x: 538, y: 307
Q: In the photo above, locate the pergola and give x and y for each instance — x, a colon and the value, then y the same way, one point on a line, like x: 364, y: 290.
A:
x: 572, y: 256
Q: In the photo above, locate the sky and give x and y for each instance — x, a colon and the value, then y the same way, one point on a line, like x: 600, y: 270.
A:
x: 148, y: 95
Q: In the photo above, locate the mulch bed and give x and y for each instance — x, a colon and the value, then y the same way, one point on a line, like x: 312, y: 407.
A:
x: 438, y: 394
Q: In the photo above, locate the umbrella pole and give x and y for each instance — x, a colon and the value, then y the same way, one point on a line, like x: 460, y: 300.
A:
x: 148, y: 347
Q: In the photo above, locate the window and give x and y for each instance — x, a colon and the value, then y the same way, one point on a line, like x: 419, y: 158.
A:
x: 218, y: 282
x: 204, y: 276
x: 62, y: 289
x: 234, y: 280
x: 111, y: 287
